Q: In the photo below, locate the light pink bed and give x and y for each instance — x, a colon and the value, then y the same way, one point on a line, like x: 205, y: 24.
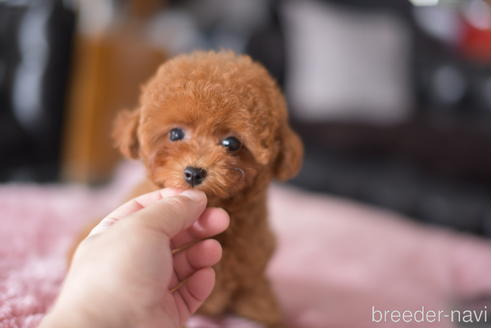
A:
x: 336, y: 259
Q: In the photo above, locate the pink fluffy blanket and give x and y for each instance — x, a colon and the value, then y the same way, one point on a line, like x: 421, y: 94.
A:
x: 337, y: 262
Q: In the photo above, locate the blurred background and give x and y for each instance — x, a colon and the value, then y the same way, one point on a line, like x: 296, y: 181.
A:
x: 391, y: 97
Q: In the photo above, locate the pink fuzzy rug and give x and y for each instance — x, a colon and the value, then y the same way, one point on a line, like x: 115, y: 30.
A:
x: 336, y: 259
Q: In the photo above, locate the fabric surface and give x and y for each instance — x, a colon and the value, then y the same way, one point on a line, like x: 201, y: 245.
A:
x: 336, y: 259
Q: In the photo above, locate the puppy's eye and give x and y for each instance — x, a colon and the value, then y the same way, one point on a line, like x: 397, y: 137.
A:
x: 176, y: 134
x: 231, y: 143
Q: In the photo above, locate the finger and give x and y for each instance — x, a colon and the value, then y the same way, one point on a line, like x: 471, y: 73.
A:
x: 131, y: 206
x: 194, y: 291
x: 212, y: 222
x: 141, y: 201
x: 203, y: 254
x: 171, y: 215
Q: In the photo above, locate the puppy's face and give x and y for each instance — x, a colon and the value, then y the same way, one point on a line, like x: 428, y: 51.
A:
x: 187, y: 144
x: 209, y: 136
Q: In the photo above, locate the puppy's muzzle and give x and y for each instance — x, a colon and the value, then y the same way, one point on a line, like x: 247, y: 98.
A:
x: 194, y: 175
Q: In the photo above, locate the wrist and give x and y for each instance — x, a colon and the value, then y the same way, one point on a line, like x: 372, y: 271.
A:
x: 70, y: 314
x: 68, y: 319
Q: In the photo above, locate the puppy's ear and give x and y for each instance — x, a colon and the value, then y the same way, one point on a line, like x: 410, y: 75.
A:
x: 260, y: 151
x: 125, y: 133
x: 289, y: 158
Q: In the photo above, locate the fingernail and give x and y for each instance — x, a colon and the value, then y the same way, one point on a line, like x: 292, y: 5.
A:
x: 194, y: 195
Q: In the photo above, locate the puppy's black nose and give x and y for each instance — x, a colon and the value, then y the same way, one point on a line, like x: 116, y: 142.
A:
x: 194, y: 175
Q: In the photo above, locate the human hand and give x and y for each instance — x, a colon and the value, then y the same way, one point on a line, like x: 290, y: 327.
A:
x: 135, y: 269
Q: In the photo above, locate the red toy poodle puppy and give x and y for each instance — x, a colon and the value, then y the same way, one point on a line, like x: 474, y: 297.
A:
x: 217, y: 122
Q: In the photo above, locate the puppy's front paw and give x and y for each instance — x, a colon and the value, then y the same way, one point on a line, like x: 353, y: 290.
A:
x: 199, y: 321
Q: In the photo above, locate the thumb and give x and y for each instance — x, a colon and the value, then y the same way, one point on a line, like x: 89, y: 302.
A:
x: 173, y: 214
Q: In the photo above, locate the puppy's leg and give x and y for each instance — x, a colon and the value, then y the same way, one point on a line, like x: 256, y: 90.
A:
x: 78, y: 240
x: 258, y: 303
x: 218, y: 302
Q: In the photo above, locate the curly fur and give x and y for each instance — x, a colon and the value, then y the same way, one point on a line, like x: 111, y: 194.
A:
x: 213, y: 95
